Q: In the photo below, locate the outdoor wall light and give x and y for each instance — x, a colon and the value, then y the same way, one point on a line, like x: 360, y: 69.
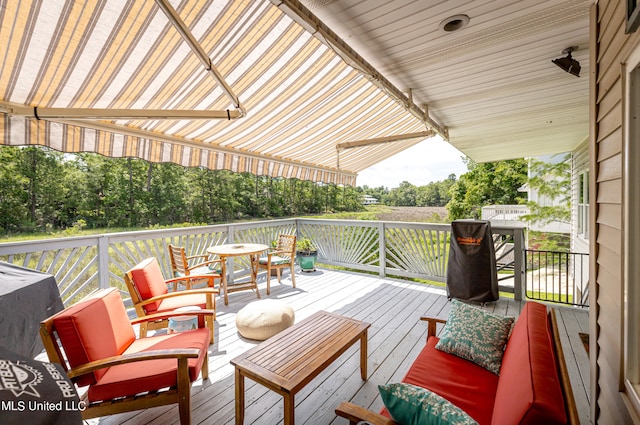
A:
x: 568, y: 63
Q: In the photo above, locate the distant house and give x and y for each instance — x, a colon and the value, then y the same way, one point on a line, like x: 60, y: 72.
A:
x: 508, y: 215
x: 369, y: 200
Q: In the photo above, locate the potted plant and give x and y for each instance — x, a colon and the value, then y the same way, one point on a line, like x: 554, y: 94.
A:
x: 306, y: 255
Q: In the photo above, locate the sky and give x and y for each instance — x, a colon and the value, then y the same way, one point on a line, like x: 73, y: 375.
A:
x: 428, y: 161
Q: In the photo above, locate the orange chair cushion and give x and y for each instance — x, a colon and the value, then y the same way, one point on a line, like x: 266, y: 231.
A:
x: 149, y: 282
x: 529, y: 391
x: 134, y: 378
x: 93, y: 329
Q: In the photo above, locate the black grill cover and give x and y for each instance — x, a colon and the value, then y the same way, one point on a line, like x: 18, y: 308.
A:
x: 471, y: 272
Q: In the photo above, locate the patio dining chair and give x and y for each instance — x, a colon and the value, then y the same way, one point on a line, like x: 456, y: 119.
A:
x: 184, y: 265
x: 150, y: 294
x: 282, y: 256
x: 96, y: 345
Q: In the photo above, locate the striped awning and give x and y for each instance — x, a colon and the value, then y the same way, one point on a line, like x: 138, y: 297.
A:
x: 226, y: 84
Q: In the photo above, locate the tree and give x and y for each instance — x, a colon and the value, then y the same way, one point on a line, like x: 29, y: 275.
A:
x: 486, y: 184
x: 403, y: 196
x: 14, y: 213
x: 552, y: 182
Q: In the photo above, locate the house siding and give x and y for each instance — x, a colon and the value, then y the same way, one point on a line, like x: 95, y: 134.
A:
x: 609, y: 48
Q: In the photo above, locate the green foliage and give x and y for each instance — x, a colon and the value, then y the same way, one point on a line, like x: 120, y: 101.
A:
x: 305, y: 245
x: 548, y: 241
x: 552, y: 181
x: 44, y: 191
x: 488, y: 183
x: 434, y: 194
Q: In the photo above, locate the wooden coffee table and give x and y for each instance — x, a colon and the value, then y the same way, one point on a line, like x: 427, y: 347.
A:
x: 288, y: 361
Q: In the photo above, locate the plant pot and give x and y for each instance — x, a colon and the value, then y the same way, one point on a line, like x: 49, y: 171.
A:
x: 307, y: 260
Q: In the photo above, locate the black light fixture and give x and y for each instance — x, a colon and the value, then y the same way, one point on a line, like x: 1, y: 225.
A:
x: 568, y: 63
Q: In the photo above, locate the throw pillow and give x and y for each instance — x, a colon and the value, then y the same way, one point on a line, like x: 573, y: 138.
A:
x: 412, y: 405
x: 475, y: 335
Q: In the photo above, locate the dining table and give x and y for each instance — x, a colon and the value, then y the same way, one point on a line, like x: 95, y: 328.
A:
x: 226, y: 251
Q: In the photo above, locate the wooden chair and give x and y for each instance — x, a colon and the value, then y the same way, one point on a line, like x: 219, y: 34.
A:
x: 95, y: 344
x: 182, y: 266
x: 150, y: 295
x: 282, y: 256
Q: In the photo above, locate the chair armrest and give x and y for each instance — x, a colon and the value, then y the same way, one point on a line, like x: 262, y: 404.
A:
x: 432, y: 322
x: 168, y: 314
x: 280, y: 253
x: 189, y: 257
x: 355, y: 414
x: 205, y: 263
x: 178, y: 354
x: 190, y: 277
x: 179, y: 293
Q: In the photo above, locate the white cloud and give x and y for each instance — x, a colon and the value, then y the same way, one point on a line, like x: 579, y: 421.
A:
x: 428, y: 161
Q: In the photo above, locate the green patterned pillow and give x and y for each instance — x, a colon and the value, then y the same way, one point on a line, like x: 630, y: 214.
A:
x: 476, y: 335
x: 412, y: 405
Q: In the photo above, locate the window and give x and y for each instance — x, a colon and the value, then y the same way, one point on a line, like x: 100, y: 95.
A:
x: 631, y: 232
x: 583, y: 204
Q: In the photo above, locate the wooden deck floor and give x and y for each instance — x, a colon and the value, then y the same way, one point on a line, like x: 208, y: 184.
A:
x: 392, y: 306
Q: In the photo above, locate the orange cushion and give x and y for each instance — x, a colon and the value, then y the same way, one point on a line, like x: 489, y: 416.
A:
x: 134, y: 378
x: 149, y: 281
x: 465, y: 384
x: 529, y: 391
x: 93, y: 329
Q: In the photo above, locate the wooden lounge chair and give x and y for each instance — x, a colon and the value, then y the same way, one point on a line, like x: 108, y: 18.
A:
x: 183, y: 265
x: 281, y: 257
x: 150, y: 294
x: 95, y: 343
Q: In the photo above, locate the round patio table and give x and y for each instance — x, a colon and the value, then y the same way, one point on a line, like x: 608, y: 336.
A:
x: 225, y: 251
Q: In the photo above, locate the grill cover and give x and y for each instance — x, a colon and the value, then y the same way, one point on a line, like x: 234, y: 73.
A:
x: 471, y: 273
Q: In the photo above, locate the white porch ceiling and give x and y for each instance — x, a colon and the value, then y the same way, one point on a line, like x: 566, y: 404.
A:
x: 492, y: 83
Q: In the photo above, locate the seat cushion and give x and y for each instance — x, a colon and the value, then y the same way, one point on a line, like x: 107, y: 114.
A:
x: 529, y: 391
x: 465, y: 384
x: 93, y: 329
x: 135, y: 378
x: 149, y: 282
x: 205, y: 270
x: 275, y: 260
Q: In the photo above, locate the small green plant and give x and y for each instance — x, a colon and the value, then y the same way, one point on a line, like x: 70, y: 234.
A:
x: 305, y: 245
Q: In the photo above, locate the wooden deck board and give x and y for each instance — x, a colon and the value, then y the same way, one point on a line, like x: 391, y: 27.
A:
x: 392, y: 306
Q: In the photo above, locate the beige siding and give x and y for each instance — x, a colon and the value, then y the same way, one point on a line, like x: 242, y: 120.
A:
x: 609, y: 48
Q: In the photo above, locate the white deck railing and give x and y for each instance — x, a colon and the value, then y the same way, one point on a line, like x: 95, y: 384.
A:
x: 413, y: 250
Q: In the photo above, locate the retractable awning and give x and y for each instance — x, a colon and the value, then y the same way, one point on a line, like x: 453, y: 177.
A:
x: 248, y: 86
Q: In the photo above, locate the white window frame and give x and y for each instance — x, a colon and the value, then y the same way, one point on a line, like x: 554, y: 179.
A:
x: 583, y: 204
x: 631, y: 230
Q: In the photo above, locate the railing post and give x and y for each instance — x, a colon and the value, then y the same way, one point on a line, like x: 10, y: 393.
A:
x: 518, y: 263
x: 382, y: 250
x: 231, y: 267
x: 103, y: 262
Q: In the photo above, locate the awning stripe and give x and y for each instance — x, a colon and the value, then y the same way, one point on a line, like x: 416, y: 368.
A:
x: 301, y: 98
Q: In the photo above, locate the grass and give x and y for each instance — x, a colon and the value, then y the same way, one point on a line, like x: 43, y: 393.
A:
x: 371, y: 212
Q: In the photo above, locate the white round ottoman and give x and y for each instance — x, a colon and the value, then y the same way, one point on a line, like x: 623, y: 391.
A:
x: 263, y: 319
